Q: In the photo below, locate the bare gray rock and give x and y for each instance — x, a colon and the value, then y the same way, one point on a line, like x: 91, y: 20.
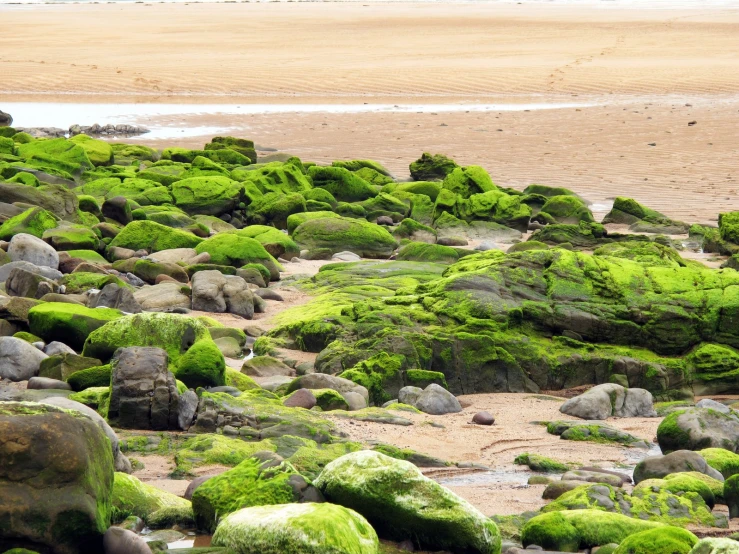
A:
x: 27, y: 248
x: 214, y: 292
x: 47, y: 272
x: 656, y: 467
x: 436, y: 400
x: 115, y: 296
x: 123, y: 541
x: 610, y: 399
x: 19, y: 360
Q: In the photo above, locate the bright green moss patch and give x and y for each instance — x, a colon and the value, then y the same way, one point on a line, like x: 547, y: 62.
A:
x: 83, y: 281
x: 722, y: 460
x: 423, y: 252
x: 132, y: 497
x: 92, y: 377
x: 34, y: 221
x: 536, y: 462
x: 153, y: 237
x: 230, y: 249
x: 68, y: 323
x: 671, y: 540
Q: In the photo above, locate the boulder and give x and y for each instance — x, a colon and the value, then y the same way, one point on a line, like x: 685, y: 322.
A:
x: 334, y: 235
x: 26, y: 284
x: 56, y: 476
x: 715, y: 546
x: 194, y: 484
x: 483, y: 418
x: 45, y: 383
x: 401, y: 503
x: 713, y: 405
x: 656, y: 467
x: 436, y: 400
x: 63, y: 366
x: 56, y: 347
x: 117, y: 297
x: 69, y: 323
x: 6, y: 120
x: 143, y: 391
x: 43, y: 271
x: 698, y: 428
x: 301, y: 398
x: 324, y: 381
x: 19, y: 360
x: 409, y: 395
x: 157, y: 507
x: 610, y: 399
x: 300, y: 528
x: 123, y: 541
x: 212, y: 291
x: 28, y: 248
x: 163, y: 297
x: 354, y: 401
x: 267, y: 366
x: 652, y: 541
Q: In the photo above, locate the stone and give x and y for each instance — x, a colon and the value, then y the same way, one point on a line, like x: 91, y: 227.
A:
x: 698, y: 428
x: 354, y: 401
x: 162, y: 297
x: 119, y: 253
x: 19, y: 360
x: 56, y: 347
x: 436, y: 400
x: 26, y: 284
x: 268, y: 294
x: 713, y: 405
x: 557, y: 488
x: 592, y: 477
x: 324, y: 381
x: 610, y: 399
x: 385, y: 220
x: 188, y: 407
x: 118, y: 209
x: 308, y: 528
x: 483, y: 418
x: 27, y: 248
x: 213, y: 291
x: 716, y: 546
x: 194, y: 484
x: 657, y: 467
x: 6, y: 120
x: 409, y: 395
x: 345, y: 256
x: 45, y: 448
x: 176, y: 255
x: 43, y: 271
x: 143, y: 391
x: 401, y: 503
x: 42, y: 383
x: 301, y: 398
x: 63, y: 366
x: 267, y: 366
x: 123, y: 541
x: 114, y: 296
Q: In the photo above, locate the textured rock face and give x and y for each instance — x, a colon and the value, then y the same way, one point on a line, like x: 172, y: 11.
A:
x: 304, y: 528
x: 115, y: 296
x: 699, y: 428
x: 27, y: 248
x: 610, y: 399
x: 19, y: 360
x: 401, y: 503
x: 21, y: 282
x: 656, y: 467
x: 214, y: 292
x: 143, y: 391
x: 56, y: 476
x: 434, y: 399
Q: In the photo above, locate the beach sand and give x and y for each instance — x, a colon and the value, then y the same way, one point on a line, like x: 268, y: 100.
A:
x: 645, y: 74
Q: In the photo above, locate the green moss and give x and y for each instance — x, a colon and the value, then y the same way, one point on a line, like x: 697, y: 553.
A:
x: 536, y: 462
x: 432, y: 167
x: 88, y: 256
x: 92, y: 377
x: 320, y: 195
x: 34, y: 221
x: 423, y: 252
x: 335, y: 235
x: 329, y: 399
x: 422, y: 378
x: 239, y: 380
x: 275, y: 208
x: 55, y: 153
x: 99, y: 152
x: 202, y: 365
x: 97, y: 398
x: 28, y: 337
x: 671, y: 540
x: 153, y: 237
x: 722, y: 460
x: 81, y: 282
x: 567, y: 209
x: 233, y: 250
x: 341, y: 183
x: 247, y: 484
x: 68, y: 323
x: 277, y: 243
x: 132, y: 497
x: 378, y: 375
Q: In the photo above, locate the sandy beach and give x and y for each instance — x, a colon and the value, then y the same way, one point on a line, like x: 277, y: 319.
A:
x: 642, y: 78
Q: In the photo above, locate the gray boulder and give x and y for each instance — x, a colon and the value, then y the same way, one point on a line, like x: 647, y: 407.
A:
x: 592, y: 477
x: 345, y: 256
x: 354, y: 400
x: 47, y: 272
x: 174, y: 255
x: 436, y: 400
x: 143, y: 390
x: 27, y: 248
x: 699, y: 428
x: 713, y: 405
x: 19, y: 360
x: 716, y: 546
x: 44, y: 383
x: 324, y: 381
x: 187, y: 408
x: 266, y: 366
x: 23, y: 283
x: 610, y: 399
x: 162, y: 297
x: 115, y: 296
x: 6, y: 120
x: 122, y: 541
x: 301, y: 398
x: 657, y: 467
x: 214, y: 292
x: 56, y: 347
x: 409, y: 395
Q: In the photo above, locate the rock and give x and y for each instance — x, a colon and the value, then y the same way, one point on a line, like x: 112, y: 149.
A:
x: 656, y: 467
x: 56, y: 347
x: 267, y: 366
x: 610, y: 399
x: 715, y: 546
x: 229, y: 347
x: 116, y: 253
x: 114, y: 296
x: 143, y: 391
x: 237, y: 251
x: 595, y: 431
x: 158, y: 508
x: 45, y: 448
x: 557, y: 488
x: 6, y: 120
x: 334, y: 235
x: 188, y: 407
x: 698, y: 428
x: 69, y: 323
x: 42, y: 383
x: 323, y: 381
x: 268, y: 294
x: 483, y: 418
x: 345, y: 256
x: 354, y: 401
x: 436, y: 400
x: 23, y: 283
x: 625, y: 479
x: 385, y: 220
x: 592, y: 477
x: 713, y: 405
x: 118, y: 209
x: 671, y: 539
x: 409, y: 395
x: 122, y: 541
x: 301, y: 398
x: 46, y: 272
x: 63, y: 366
x: 432, y: 167
x: 296, y: 528
x: 401, y: 503
x: 176, y: 255
x: 28, y: 248
x: 161, y: 297
x: 213, y: 291
x: 194, y: 484
x: 19, y: 360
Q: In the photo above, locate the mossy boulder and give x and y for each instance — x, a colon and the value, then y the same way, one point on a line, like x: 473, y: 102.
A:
x: 401, y: 503
x: 98, y: 376
x: 722, y: 460
x: 698, y: 429
x: 153, y: 237
x: 671, y: 540
x: 207, y: 195
x: 248, y: 484
x: 329, y: 399
x: 344, y: 185
x: 573, y: 530
x: 295, y: 220
x: 432, y: 167
x: 535, y: 462
x: 232, y: 249
x: 423, y: 252
x: 98, y: 152
x: 300, y: 528
x: 193, y: 356
x: 33, y: 221
x: 277, y: 243
x: 72, y: 237
x: 68, y: 323
x: 57, y: 476
x: 82, y: 281
x: 628, y: 211
x: 58, y: 153
x: 716, y: 546
x: 336, y: 235
x: 275, y: 208
x: 566, y: 209
x: 132, y: 497
x: 244, y: 147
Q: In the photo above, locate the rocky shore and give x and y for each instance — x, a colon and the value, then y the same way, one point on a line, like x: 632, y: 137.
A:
x: 315, y: 352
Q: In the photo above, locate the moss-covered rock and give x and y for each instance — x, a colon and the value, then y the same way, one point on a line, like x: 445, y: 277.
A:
x: 400, y: 503
x: 671, y: 540
x: 341, y: 183
x: 336, y: 235
x: 535, y: 462
x: 153, y: 237
x: 232, y: 249
x: 423, y: 252
x: 33, y: 221
x: 570, y: 531
x: 566, y: 209
x: 68, y: 323
x: 300, y: 528
x: 58, y: 153
x: 98, y: 376
x: 724, y: 461
x: 275, y: 208
x: 277, y: 243
x: 132, y: 497
x: 98, y: 152
x: 432, y: 167
x: 716, y: 546
x: 698, y: 429
x: 248, y: 484
x: 628, y: 211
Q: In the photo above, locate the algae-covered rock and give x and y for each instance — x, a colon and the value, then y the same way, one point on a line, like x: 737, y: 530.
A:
x: 566, y: 209
x: 300, y: 528
x: 401, y: 503
x: 592, y: 431
x: 423, y: 252
x: 33, y: 221
x: 231, y: 249
x: 671, y: 540
x: 248, y: 484
x: 628, y: 211
x: 432, y: 167
x: 207, y: 195
x: 56, y: 469
x: 68, y: 323
x: 722, y: 460
x: 697, y: 429
x: 132, y: 497
x: 715, y: 546
x: 535, y: 462
x: 339, y: 234
x: 152, y: 237
x: 341, y: 183
x: 657, y: 467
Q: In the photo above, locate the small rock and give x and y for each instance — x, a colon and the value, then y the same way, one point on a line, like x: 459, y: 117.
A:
x: 483, y: 418
x: 42, y: 383
x: 301, y: 398
x: 27, y: 248
x: 123, y: 541
x: 384, y: 220
x: 345, y: 256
